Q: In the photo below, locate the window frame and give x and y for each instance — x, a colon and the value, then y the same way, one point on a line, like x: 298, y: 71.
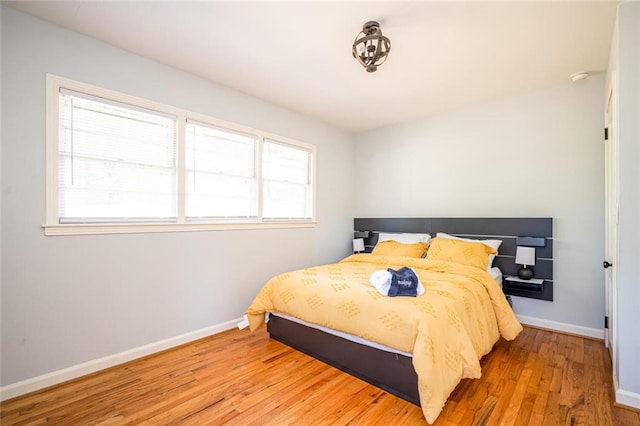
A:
x: 52, y: 225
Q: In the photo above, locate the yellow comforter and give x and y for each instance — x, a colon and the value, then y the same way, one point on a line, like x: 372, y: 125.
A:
x: 448, y: 329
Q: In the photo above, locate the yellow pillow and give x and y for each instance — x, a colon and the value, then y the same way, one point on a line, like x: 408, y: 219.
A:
x: 463, y: 252
x: 394, y: 248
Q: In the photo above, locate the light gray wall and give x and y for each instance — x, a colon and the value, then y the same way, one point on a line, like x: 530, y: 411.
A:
x: 628, y: 54
x: 540, y: 154
x: 67, y: 300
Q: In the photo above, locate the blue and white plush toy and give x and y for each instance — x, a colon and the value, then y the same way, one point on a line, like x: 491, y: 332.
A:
x: 403, y: 282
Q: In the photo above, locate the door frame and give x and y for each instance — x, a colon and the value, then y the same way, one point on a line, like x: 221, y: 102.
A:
x: 611, y: 217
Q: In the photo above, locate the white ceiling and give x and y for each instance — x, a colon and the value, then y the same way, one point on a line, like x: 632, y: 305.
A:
x: 444, y: 55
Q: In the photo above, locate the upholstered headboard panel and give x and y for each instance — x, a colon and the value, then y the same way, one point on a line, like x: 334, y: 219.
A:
x: 505, y: 229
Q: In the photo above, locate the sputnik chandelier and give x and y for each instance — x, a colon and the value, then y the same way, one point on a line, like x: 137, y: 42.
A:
x: 370, y: 47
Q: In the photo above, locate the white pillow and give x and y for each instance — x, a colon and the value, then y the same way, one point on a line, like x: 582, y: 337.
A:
x: 491, y: 243
x: 404, y: 238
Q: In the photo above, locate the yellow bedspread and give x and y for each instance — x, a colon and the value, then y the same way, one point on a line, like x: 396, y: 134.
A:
x: 448, y: 329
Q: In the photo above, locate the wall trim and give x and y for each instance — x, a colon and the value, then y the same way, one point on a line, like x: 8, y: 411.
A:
x: 593, y: 333
x: 627, y: 399
x: 55, y: 377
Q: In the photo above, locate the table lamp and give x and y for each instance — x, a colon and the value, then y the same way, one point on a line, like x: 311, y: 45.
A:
x: 525, y: 256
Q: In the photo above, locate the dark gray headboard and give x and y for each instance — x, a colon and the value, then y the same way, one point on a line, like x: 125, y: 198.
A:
x: 505, y: 229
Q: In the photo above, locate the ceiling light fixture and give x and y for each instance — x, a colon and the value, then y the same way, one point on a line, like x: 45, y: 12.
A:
x: 370, y: 47
x: 579, y: 76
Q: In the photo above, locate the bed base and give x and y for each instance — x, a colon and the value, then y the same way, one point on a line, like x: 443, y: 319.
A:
x: 391, y: 372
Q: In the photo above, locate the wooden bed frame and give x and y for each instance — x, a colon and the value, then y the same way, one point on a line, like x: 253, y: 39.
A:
x: 393, y: 372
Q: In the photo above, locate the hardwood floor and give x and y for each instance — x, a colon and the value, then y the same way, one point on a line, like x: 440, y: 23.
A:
x: 236, y: 378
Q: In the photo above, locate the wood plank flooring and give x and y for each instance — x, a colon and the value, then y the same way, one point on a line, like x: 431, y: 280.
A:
x: 236, y: 378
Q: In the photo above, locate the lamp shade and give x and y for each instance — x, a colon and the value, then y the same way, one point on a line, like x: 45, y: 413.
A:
x: 358, y: 244
x: 526, y: 255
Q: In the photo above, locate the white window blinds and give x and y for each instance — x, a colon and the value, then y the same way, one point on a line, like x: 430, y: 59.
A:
x: 220, y: 174
x: 116, y: 162
x: 287, y: 186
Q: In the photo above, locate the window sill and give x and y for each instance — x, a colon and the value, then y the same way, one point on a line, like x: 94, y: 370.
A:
x: 138, y: 228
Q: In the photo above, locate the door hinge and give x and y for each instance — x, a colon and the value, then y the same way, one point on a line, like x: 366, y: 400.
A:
x: 606, y: 322
x: 606, y: 133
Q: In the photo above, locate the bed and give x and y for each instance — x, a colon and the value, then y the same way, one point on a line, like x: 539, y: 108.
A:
x: 417, y: 348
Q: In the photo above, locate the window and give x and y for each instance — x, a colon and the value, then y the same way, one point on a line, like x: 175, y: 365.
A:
x: 116, y: 163
x: 286, y: 181
x: 221, y: 174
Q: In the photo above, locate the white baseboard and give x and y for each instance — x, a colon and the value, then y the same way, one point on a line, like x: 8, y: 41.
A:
x: 563, y: 327
x: 628, y: 399
x: 73, y: 372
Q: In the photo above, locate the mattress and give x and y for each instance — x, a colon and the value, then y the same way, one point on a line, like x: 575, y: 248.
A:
x: 495, y: 273
x: 343, y: 335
